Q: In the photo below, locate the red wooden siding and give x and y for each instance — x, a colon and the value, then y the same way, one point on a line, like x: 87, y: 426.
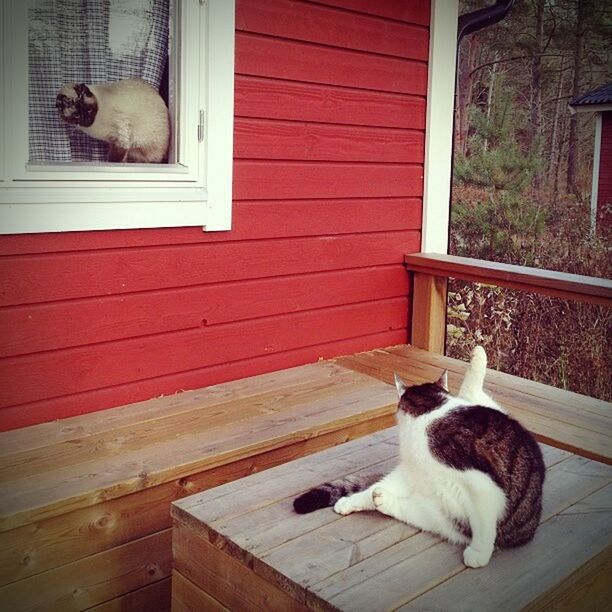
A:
x: 604, y: 189
x: 329, y: 133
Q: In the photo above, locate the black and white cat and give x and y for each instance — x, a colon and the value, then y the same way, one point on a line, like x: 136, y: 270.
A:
x: 130, y: 115
x: 467, y: 471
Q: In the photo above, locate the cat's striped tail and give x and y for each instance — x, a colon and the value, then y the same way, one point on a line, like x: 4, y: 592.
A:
x: 329, y: 493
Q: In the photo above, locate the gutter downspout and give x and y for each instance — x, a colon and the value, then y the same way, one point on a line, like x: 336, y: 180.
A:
x: 483, y: 18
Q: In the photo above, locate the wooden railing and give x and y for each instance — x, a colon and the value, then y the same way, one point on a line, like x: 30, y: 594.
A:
x: 432, y: 271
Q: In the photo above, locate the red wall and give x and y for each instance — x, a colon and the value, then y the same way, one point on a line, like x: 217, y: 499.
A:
x: 604, y: 189
x: 330, y: 113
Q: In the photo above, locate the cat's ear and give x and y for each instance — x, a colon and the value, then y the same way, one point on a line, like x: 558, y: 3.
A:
x: 443, y: 380
x: 400, y: 385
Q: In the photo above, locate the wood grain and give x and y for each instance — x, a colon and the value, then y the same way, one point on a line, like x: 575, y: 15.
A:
x: 188, y: 597
x: 45, y: 278
x: 45, y: 543
x: 295, y: 101
x: 262, y: 180
x: 326, y: 26
x: 298, y: 61
x: 85, y: 368
x: 429, y: 313
x: 95, y: 579
x: 368, y: 561
x: 111, y: 476
x: 133, y: 415
x: 567, y: 420
x: 267, y: 139
x: 138, y: 391
x: 225, y: 578
x: 411, y: 12
x: 155, y: 596
x: 560, y: 284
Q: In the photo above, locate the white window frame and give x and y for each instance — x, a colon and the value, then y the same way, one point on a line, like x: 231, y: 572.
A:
x: 439, y: 125
x: 76, y: 196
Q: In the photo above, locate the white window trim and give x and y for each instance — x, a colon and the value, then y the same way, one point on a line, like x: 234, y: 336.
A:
x: 439, y: 125
x: 163, y: 196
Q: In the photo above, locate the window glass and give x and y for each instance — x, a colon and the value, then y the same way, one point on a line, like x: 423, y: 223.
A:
x: 91, y: 43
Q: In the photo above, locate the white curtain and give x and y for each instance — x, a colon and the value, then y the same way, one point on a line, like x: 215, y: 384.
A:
x: 88, y: 41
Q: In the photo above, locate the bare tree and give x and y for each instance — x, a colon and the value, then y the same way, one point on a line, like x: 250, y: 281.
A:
x: 572, y: 154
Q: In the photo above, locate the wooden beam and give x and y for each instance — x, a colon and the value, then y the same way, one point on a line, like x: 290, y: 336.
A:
x: 558, y: 284
x: 429, y: 312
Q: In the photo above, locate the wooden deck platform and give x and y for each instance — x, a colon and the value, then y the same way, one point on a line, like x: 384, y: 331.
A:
x: 242, y: 547
x: 85, y: 502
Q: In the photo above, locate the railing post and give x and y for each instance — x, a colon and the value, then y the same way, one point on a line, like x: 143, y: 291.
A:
x: 429, y: 312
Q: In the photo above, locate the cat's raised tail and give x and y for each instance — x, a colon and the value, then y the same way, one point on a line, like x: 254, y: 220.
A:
x: 473, y: 382
x: 327, y: 494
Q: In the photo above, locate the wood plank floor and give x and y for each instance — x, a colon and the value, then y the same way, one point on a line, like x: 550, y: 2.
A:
x: 367, y: 561
x: 85, y: 502
x: 577, y: 423
x: 90, y: 495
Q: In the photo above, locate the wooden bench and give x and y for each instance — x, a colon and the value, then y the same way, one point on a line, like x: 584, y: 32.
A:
x: 242, y: 547
x: 85, y: 502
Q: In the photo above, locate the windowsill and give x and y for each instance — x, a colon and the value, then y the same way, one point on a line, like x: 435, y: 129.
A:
x: 25, y: 218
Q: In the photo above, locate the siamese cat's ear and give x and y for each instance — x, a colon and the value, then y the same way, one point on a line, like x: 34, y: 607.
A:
x: 443, y: 380
x: 400, y: 385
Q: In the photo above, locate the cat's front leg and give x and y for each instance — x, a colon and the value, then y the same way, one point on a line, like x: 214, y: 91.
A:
x: 355, y: 503
x: 385, y: 502
x: 488, y: 503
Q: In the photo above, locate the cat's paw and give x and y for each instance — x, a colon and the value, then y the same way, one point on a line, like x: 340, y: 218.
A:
x: 383, y: 500
x: 473, y: 557
x: 343, y: 506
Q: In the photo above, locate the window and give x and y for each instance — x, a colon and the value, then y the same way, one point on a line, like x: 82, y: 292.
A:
x: 188, y: 49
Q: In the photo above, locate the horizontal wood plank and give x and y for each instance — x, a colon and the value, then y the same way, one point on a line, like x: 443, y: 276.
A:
x: 559, y: 284
x: 363, y: 562
x: 188, y: 597
x: 253, y: 220
x: 225, y: 578
x: 253, y: 522
x: 65, y: 538
x: 267, y: 139
x: 171, y: 384
x: 411, y: 12
x: 291, y: 100
x: 134, y: 415
x: 45, y: 278
x: 75, y: 370
x: 95, y: 579
x: 210, y: 506
x: 221, y: 407
x: 577, y: 423
x: 43, y: 327
x: 327, y: 26
x: 115, y: 476
x: 569, y: 541
x: 155, y: 596
x: 264, y: 180
x: 271, y: 57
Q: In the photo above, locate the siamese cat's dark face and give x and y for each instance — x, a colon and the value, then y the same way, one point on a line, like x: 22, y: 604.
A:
x: 77, y: 104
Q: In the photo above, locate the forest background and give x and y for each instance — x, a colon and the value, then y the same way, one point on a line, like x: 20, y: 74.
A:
x: 522, y: 188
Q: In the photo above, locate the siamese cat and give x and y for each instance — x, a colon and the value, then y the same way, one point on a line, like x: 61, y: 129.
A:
x: 130, y: 115
x: 467, y: 471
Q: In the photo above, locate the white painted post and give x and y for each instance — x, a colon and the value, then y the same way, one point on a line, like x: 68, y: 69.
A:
x: 439, y: 126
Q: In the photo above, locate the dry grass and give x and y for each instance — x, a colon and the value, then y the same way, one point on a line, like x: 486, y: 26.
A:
x: 554, y: 341
x: 557, y: 342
